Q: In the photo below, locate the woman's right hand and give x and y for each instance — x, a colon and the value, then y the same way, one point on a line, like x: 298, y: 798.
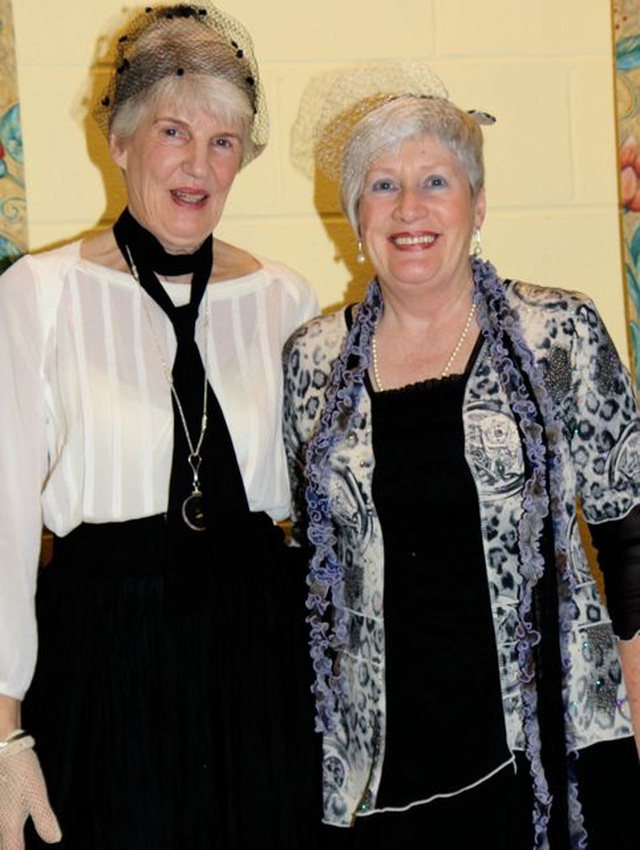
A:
x: 23, y: 794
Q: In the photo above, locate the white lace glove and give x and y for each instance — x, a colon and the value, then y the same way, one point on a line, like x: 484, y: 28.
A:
x: 23, y: 794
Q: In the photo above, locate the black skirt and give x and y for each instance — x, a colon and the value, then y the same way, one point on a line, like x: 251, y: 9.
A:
x: 173, y: 710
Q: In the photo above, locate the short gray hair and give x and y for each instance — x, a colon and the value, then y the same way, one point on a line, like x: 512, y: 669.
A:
x: 214, y: 95
x: 386, y: 128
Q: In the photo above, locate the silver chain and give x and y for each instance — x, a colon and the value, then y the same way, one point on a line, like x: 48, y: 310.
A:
x: 194, y: 458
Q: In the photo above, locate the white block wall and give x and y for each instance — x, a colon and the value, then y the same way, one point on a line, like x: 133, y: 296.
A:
x: 545, y: 69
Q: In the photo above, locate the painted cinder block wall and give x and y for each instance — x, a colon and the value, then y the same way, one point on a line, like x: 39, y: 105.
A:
x: 544, y: 69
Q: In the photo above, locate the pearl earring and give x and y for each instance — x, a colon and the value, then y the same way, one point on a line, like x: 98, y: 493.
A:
x: 360, y: 256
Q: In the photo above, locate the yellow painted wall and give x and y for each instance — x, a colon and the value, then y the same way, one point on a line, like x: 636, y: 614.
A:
x: 545, y: 69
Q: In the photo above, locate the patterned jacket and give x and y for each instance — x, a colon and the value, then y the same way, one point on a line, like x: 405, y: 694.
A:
x: 595, y: 414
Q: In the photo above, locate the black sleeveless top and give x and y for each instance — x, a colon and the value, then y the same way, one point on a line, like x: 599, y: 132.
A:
x: 445, y: 727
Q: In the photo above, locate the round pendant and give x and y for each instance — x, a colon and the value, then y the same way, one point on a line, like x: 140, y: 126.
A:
x: 193, y: 511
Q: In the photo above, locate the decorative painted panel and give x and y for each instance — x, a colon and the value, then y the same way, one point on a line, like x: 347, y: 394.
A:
x: 13, y: 205
x: 626, y: 20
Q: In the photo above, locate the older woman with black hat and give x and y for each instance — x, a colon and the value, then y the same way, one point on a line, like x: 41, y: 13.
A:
x: 140, y: 420
x: 442, y: 434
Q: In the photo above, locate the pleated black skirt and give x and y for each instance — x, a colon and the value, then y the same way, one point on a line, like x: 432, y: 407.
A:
x: 171, y: 709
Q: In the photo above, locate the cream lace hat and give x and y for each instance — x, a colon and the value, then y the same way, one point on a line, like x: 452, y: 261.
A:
x: 334, y: 103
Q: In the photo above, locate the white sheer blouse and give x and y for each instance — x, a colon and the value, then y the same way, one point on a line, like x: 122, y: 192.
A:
x: 86, y: 426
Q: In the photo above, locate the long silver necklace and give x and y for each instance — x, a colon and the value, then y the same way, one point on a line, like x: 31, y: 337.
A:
x: 449, y: 363
x: 193, y: 507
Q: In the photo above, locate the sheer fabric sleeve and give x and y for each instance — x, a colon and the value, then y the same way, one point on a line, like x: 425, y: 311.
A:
x: 22, y: 473
x: 618, y: 547
x: 601, y: 413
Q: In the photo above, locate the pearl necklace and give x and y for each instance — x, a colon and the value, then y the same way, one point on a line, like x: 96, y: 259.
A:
x: 449, y: 363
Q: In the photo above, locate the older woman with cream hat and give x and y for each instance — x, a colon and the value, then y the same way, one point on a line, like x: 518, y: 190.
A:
x: 473, y: 688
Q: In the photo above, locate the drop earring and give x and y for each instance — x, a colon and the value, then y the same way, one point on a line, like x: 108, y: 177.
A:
x: 476, y: 243
x: 360, y: 256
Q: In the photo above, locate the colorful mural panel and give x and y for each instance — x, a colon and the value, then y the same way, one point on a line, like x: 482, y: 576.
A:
x: 13, y: 205
x: 626, y: 21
